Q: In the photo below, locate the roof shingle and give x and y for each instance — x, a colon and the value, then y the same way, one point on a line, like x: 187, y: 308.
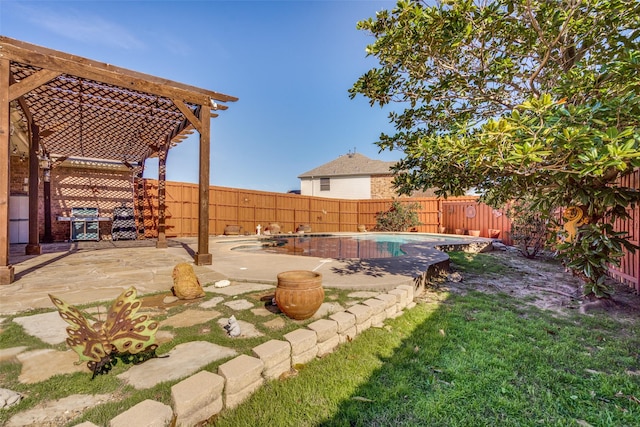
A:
x: 350, y: 164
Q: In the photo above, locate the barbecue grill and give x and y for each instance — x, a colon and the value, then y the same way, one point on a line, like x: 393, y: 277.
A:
x: 84, y: 223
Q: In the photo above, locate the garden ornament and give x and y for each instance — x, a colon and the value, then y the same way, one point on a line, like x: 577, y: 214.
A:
x: 122, y: 335
x: 232, y: 327
x: 185, y: 282
x: 575, y: 217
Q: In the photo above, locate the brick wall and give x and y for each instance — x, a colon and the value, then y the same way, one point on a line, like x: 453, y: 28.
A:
x: 19, y: 172
x: 80, y: 187
x: 382, y: 188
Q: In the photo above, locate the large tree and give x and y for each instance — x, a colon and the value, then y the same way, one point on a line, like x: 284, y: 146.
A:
x: 528, y: 101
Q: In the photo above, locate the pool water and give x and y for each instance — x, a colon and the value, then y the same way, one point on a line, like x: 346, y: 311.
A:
x: 340, y: 247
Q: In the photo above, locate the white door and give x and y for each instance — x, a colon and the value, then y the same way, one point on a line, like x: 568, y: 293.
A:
x: 19, y: 219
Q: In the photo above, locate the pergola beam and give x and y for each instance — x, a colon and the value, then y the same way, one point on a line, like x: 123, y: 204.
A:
x: 18, y: 89
x: 65, y: 63
x: 188, y: 114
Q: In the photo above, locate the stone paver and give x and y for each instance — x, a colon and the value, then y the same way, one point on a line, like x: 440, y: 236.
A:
x: 88, y: 276
x: 304, y: 346
x: 57, y: 412
x: 212, y: 302
x: 275, y: 324
x: 276, y: 356
x: 240, y: 372
x: 49, y: 327
x: 326, y: 309
x: 243, y: 376
x: 363, y: 294
x: 401, y: 297
x: 239, y: 288
x: 9, y: 398
x: 183, y: 360
x: 324, y: 329
x: 7, y: 354
x: 361, y: 311
x: 345, y: 320
x: 164, y: 336
x: 238, y: 305
x: 261, y: 311
x: 189, y: 317
x: 39, y: 365
x: 147, y: 413
x: 197, y: 398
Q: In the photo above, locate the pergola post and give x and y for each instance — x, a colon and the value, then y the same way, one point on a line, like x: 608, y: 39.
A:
x: 46, y: 197
x: 140, y: 190
x: 6, y: 270
x: 203, y: 257
x: 162, y: 179
x: 33, y: 247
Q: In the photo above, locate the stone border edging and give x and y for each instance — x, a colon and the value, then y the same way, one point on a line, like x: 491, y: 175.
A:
x: 205, y: 394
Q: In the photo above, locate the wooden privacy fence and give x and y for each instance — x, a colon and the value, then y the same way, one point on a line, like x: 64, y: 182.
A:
x: 248, y: 208
x: 629, y: 270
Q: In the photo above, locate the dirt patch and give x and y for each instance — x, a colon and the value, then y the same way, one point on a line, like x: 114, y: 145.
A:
x: 544, y: 283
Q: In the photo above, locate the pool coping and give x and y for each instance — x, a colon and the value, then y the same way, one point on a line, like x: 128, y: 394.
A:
x: 421, y: 261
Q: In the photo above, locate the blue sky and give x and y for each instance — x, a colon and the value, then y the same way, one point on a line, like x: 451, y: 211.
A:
x: 290, y: 63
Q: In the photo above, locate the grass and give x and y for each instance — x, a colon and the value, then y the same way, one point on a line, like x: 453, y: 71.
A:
x: 478, y: 263
x: 471, y: 360
x: 453, y: 360
x: 60, y: 386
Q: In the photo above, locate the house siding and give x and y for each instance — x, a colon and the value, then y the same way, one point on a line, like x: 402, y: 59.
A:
x: 347, y: 187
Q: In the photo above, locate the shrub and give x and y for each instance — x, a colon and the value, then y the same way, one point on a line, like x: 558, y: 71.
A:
x: 528, y: 230
x: 399, y: 217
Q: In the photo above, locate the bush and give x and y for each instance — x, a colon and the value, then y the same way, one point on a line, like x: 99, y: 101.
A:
x: 528, y: 230
x: 399, y: 217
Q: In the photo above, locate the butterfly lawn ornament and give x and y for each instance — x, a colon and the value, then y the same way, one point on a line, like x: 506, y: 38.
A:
x: 123, y: 335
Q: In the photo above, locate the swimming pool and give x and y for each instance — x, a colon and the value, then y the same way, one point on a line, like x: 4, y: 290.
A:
x: 363, y: 246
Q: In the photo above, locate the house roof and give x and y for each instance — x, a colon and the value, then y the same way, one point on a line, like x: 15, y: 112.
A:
x: 350, y: 164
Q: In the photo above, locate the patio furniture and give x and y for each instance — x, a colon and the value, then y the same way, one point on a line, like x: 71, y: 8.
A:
x: 124, y: 224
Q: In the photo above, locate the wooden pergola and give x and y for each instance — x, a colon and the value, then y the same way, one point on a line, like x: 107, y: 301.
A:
x: 76, y: 107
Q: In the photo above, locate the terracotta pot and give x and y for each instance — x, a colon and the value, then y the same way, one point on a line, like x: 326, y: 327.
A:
x: 304, y: 228
x: 442, y: 230
x: 493, y: 233
x: 274, y: 228
x: 299, y: 293
x: 474, y: 233
x: 460, y: 231
x: 232, y: 230
x: 362, y: 228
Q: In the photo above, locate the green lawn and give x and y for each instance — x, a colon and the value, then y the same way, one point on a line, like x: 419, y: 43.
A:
x: 465, y: 360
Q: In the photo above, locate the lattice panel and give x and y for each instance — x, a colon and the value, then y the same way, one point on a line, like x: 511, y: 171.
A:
x: 86, y: 118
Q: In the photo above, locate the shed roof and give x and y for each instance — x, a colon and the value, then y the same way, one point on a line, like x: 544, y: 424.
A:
x: 348, y: 165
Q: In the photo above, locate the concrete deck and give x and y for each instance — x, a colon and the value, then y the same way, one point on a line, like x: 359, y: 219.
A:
x: 86, y: 272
